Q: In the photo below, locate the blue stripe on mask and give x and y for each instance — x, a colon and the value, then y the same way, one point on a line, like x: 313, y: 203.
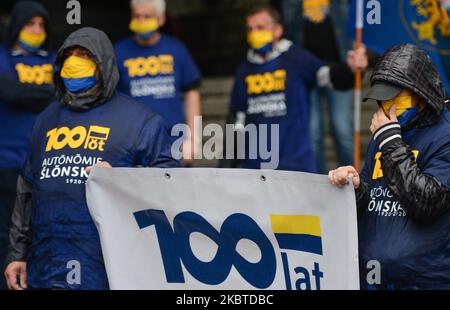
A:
x: 27, y: 47
x: 145, y: 35
x: 408, y: 116
x: 80, y: 85
x: 265, y: 49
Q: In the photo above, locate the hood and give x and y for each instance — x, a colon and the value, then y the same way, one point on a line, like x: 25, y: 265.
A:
x: 22, y: 12
x: 99, y: 45
x: 409, y: 67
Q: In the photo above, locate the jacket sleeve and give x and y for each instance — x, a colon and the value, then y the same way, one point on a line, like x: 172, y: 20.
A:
x: 362, y: 193
x: 341, y: 76
x: 31, y: 97
x: 20, y: 234
x: 362, y: 196
x: 421, y: 194
x: 154, y: 148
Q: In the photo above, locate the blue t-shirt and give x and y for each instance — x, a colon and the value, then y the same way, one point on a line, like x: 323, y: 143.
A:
x: 122, y: 132
x: 277, y: 92
x: 157, y: 75
x: 17, y: 125
x: 412, y: 255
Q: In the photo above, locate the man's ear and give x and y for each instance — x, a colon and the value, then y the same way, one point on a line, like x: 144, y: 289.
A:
x: 278, y: 32
x: 161, y: 21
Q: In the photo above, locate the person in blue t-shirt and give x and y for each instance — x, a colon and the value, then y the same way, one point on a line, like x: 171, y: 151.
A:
x: 158, y: 70
x: 26, y: 88
x: 403, y: 191
x: 272, y: 88
x: 90, y: 123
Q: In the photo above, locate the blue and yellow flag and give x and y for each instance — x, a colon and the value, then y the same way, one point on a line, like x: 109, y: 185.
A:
x: 425, y: 23
x: 298, y: 233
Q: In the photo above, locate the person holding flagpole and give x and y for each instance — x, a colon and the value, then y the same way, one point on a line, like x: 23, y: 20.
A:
x: 273, y: 86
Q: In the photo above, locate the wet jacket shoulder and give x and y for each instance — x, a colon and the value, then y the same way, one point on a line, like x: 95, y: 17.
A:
x: 425, y: 196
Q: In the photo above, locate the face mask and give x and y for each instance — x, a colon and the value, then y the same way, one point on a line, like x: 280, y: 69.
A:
x: 402, y: 104
x: 260, y: 41
x: 406, y: 112
x: 78, y: 74
x: 407, y: 116
x: 316, y: 11
x: 144, y: 29
x: 31, y: 42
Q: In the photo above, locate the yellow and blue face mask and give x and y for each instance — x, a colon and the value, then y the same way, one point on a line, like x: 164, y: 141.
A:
x: 78, y: 74
x: 144, y: 29
x: 260, y: 41
x: 316, y: 11
x: 406, y: 111
x: 30, y: 41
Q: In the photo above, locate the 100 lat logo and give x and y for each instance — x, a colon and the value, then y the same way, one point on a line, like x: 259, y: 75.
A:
x: 175, y: 248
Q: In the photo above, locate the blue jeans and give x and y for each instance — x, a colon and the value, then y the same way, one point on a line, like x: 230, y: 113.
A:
x: 340, y: 107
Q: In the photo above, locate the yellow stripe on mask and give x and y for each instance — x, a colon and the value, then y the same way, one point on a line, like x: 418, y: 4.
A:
x: 76, y: 67
x: 149, y: 25
x: 296, y: 224
x: 257, y: 39
x: 402, y: 104
x: 32, y: 39
x: 315, y: 10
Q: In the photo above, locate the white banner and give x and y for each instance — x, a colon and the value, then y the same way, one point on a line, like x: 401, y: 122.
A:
x: 224, y: 229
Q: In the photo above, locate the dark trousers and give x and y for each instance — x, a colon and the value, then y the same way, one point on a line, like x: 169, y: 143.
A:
x: 8, y: 181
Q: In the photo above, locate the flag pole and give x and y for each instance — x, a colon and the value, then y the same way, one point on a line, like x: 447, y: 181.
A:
x: 358, y: 88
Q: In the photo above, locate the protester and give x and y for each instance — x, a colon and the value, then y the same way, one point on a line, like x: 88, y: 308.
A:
x: 273, y: 85
x: 158, y: 70
x: 403, y: 191
x: 90, y: 123
x: 26, y: 88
